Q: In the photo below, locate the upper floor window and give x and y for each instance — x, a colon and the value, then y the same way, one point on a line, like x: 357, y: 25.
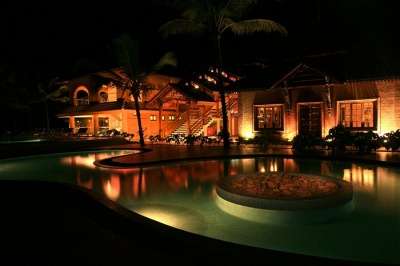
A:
x: 153, y: 117
x: 103, y: 97
x: 82, y: 97
x: 268, y: 117
x: 358, y: 115
x: 171, y: 117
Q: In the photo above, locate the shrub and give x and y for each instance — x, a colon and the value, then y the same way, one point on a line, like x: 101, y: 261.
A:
x: 303, y: 142
x: 190, y: 139
x: 366, y: 141
x: 266, y: 137
x: 156, y: 138
x: 391, y: 140
x: 338, y: 138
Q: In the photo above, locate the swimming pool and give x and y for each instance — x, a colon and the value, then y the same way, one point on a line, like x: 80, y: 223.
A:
x: 182, y: 195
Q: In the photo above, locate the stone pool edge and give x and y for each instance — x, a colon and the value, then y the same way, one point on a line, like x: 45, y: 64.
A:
x: 109, y: 163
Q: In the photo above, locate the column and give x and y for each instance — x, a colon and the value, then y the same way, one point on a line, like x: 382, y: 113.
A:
x: 188, y: 120
x: 159, y: 120
x: 72, y: 123
x: 95, y: 122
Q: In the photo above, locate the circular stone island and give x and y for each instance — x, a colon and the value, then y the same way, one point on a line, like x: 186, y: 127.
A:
x: 283, y: 195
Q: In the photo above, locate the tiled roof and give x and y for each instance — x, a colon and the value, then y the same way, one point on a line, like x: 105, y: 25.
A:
x: 195, y: 94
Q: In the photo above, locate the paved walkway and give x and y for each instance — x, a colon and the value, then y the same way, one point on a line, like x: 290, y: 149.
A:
x: 158, y: 153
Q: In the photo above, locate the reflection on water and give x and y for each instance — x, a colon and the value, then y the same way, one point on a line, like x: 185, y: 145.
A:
x: 171, y: 215
x: 112, y: 186
x: 199, y: 177
x: 364, y: 177
x: 84, y: 181
x: 137, y: 183
x: 183, y: 195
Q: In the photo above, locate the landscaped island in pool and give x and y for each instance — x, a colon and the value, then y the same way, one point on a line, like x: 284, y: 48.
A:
x: 282, y: 198
x: 183, y: 195
x: 285, y: 191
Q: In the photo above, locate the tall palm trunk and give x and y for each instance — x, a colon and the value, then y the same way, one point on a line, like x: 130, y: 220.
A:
x: 225, y: 132
x: 46, y: 106
x: 139, y: 119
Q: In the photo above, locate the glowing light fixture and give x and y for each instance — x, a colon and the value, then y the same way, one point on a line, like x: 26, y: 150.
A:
x: 248, y: 135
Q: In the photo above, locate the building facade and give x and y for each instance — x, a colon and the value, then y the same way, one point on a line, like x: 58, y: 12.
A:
x: 301, y: 100
x: 307, y: 101
x: 99, y: 104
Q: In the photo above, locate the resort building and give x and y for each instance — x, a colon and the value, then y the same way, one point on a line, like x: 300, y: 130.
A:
x: 168, y: 106
x: 304, y: 100
x: 301, y: 100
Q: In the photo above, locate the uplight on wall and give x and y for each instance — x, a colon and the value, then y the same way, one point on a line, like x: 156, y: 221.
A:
x: 248, y: 134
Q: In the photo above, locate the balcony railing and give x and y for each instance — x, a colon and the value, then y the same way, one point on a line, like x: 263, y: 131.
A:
x: 82, y: 101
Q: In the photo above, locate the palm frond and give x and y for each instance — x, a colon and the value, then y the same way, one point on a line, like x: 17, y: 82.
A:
x: 225, y: 24
x: 181, y: 26
x: 257, y: 25
x: 236, y: 8
x: 126, y: 51
x: 195, y: 12
x: 168, y: 59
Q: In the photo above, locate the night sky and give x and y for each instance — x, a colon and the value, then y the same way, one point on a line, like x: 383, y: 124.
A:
x: 67, y: 39
x: 57, y: 37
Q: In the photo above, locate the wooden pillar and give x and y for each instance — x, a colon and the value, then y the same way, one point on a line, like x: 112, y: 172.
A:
x: 230, y: 121
x: 218, y: 111
x: 123, y: 117
x: 202, y: 114
x: 218, y: 125
x: 159, y: 119
x: 91, y: 125
x: 188, y: 119
x: 95, y: 124
x: 72, y: 123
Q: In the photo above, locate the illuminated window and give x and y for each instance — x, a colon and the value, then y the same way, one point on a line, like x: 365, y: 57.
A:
x: 103, y: 97
x: 162, y: 118
x: 82, y: 98
x: 153, y: 118
x: 82, y: 122
x: 268, y: 117
x: 171, y: 118
x: 358, y: 115
x: 103, y: 122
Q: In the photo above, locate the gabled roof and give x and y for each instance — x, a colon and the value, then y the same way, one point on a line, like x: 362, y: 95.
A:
x: 191, y: 93
x: 302, y: 75
x: 115, y: 74
x: 273, y: 76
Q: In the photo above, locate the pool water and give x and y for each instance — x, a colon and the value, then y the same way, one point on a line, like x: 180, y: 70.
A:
x: 182, y: 195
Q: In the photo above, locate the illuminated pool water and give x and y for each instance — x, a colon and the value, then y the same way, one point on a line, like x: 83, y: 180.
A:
x: 183, y: 195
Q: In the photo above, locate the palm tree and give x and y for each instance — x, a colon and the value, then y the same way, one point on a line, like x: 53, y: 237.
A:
x: 50, y: 92
x: 127, y: 53
x: 214, y: 18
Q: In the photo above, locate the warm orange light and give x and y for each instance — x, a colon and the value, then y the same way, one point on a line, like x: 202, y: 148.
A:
x: 273, y: 167
x: 78, y: 160
x: 262, y: 169
x: 161, y: 216
x: 359, y: 176
x: 289, y: 136
x: 247, y: 134
x: 112, y: 187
